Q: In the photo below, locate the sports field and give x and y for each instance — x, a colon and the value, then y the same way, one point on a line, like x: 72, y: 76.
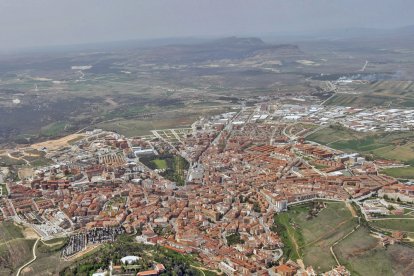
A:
x: 160, y: 163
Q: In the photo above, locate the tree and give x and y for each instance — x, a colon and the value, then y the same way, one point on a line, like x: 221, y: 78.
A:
x: 256, y: 207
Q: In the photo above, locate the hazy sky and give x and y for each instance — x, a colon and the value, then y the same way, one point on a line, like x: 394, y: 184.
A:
x: 28, y: 23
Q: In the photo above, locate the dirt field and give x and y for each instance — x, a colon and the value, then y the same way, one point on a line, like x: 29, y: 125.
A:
x: 58, y: 143
x: 29, y: 233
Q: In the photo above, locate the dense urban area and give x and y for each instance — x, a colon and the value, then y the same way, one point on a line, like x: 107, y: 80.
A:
x: 207, y: 138
x: 232, y: 190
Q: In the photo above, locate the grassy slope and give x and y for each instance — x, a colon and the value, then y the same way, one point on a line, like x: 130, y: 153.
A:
x: 48, y: 260
x: 331, y: 134
x: 15, y: 250
x: 291, y: 237
x: 360, y: 252
x: 54, y: 129
x: 395, y: 224
x: 315, y: 236
x: 7, y: 161
x: 362, y: 255
x: 381, y: 93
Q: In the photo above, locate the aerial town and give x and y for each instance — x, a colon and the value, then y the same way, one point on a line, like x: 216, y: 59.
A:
x: 231, y: 174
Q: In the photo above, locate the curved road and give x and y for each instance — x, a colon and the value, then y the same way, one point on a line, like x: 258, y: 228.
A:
x: 32, y: 260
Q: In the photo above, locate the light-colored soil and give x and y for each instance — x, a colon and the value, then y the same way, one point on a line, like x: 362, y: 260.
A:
x: 29, y: 233
x: 83, y: 252
x: 58, y: 143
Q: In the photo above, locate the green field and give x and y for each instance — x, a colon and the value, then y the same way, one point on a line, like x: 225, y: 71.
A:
x: 181, y: 117
x: 40, y: 162
x: 405, y: 172
x: 7, y: 161
x: 15, y: 250
x: 395, y: 224
x: 391, y: 146
x: 55, y: 129
x: 3, y: 189
x: 403, y: 152
x: 332, y: 134
x: 292, y: 238
x: 160, y: 163
x: 53, y: 245
x: 389, y: 93
x: 310, y: 239
x: 174, y: 166
x: 363, y: 255
x: 139, y: 127
x: 48, y: 253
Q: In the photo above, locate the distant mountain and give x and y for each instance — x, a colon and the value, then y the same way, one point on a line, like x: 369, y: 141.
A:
x: 366, y: 37
x: 223, y: 48
x: 239, y: 41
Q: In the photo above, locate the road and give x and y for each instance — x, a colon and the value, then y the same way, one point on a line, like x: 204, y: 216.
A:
x: 333, y: 89
x: 18, y: 158
x: 373, y: 219
x: 9, y: 241
x: 316, y: 130
x: 285, y: 133
x: 32, y: 260
x: 364, y: 67
x: 227, y: 127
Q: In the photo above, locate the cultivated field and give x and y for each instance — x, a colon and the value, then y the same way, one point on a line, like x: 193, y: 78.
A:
x: 363, y: 255
x: 406, y: 172
x: 163, y: 120
x: 400, y: 224
x: 387, y: 93
x: 332, y: 134
x: 391, y: 146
